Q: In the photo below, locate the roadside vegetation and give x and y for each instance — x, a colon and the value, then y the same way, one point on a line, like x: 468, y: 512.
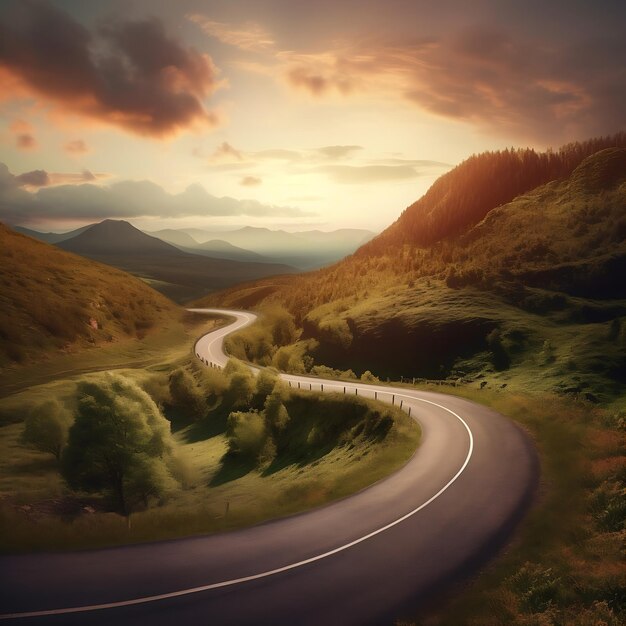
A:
x: 531, y: 295
x: 504, y: 283
x: 180, y: 449
x: 566, y: 566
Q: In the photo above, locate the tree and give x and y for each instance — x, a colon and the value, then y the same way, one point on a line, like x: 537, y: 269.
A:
x: 241, y: 385
x: 265, y: 382
x: 46, y: 428
x: 276, y: 415
x: 246, y: 434
x: 120, y: 443
x: 186, y: 393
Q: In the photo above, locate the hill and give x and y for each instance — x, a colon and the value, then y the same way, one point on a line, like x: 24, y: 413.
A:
x: 176, y: 273
x: 463, y: 196
x: 53, y: 300
x: 50, y: 237
x: 531, y: 294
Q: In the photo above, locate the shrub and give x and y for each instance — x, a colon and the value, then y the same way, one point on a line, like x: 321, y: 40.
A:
x: 535, y: 586
x: 186, y: 393
x: 368, y: 377
x: 246, y: 434
x: 46, y: 428
x: 119, y: 443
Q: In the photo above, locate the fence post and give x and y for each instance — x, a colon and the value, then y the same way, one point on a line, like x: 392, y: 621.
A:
x: 322, y: 385
x: 409, y: 411
x: 401, y: 401
x: 344, y: 389
x: 376, y: 395
x: 356, y: 391
x: 393, y: 399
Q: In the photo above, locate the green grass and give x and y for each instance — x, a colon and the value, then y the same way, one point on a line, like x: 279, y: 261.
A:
x: 172, y: 342
x: 563, y: 538
x: 30, y: 478
x: 54, y: 302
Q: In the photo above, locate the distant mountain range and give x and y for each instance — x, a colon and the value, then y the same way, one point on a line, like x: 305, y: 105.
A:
x: 177, y: 273
x: 304, y: 250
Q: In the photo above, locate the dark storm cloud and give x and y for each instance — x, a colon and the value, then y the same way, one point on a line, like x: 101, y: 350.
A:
x: 128, y: 73
x: 534, y: 89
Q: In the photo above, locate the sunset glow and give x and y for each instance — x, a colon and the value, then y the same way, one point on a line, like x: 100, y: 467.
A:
x: 323, y: 115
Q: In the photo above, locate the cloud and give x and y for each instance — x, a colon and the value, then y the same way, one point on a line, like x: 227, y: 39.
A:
x: 25, y: 141
x: 23, y: 134
x: 249, y: 36
x: 415, y: 163
x: 338, y: 152
x: 76, y: 147
x: 250, y: 181
x: 124, y: 199
x: 277, y: 154
x: 357, y: 175
x: 36, y: 178
x: 226, y: 152
x: 41, y: 178
x: 509, y: 79
x: 129, y: 74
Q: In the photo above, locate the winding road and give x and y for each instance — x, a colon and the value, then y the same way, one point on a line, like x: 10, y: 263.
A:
x: 372, y: 558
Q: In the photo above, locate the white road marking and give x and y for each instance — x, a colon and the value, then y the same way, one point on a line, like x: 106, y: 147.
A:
x: 285, y: 568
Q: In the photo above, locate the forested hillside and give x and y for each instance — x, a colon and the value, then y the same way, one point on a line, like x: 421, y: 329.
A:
x: 532, y: 286
x: 464, y: 196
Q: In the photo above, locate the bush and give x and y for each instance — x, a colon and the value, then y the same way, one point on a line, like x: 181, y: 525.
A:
x: 246, y: 434
x: 536, y: 587
x: 46, y: 428
x: 186, y: 393
x: 241, y: 384
x: 120, y: 443
x: 368, y: 377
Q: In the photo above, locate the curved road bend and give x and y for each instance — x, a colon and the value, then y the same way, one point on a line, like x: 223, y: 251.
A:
x: 370, y: 558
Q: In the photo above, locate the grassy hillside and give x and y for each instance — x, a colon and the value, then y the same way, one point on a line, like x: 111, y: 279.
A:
x: 533, y: 295
x: 53, y: 301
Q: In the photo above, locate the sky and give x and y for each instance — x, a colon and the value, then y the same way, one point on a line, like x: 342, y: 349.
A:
x: 286, y: 114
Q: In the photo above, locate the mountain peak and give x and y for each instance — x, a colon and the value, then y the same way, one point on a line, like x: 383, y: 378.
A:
x: 117, y: 236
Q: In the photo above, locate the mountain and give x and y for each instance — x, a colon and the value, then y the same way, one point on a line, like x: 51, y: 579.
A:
x: 305, y: 249
x: 50, y: 237
x: 525, y: 291
x: 52, y: 299
x: 176, y: 273
x: 223, y: 250
x: 111, y: 237
x: 175, y: 237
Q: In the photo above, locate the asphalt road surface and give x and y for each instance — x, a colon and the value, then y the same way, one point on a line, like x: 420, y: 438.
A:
x: 372, y: 558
